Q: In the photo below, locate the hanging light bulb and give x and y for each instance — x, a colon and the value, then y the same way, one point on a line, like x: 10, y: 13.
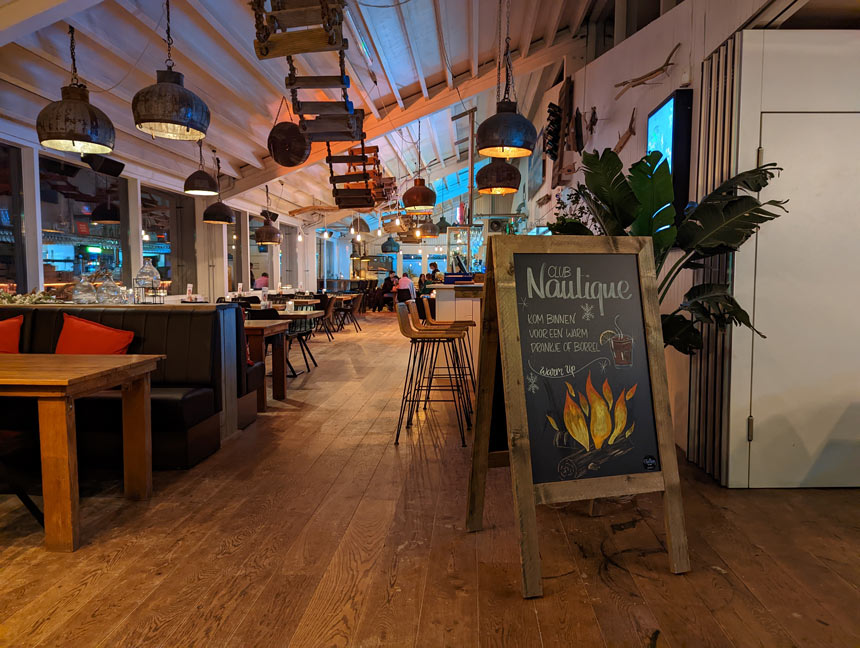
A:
x: 358, y: 237
x: 201, y: 183
x: 397, y: 221
x: 379, y: 231
x: 73, y: 123
x: 218, y: 213
x: 299, y: 237
x: 167, y: 108
x: 351, y: 229
x: 507, y: 134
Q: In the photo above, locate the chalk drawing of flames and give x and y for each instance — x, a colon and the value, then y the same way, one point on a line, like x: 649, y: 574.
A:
x: 594, y: 418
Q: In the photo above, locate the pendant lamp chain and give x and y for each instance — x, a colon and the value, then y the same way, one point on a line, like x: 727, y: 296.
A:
x: 169, y: 60
x: 200, y: 146
x: 217, y: 169
x: 504, y: 58
x: 419, y: 147
x: 75, y: 81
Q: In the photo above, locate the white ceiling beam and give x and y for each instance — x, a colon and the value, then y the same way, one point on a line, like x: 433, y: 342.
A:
x: 198, y: 50
x: 577, y: 15
x: 529, y: 27
x: 553, y: 20
x: 443, y: 50
x: 240, y: 44
x: 420, y: 107
x: 380, y: 56
x: 416, y: 60
x: 530, y: 93
x: 452, y: 133
x: 474, y: 36
x: 22, y: 17
x: 434, y: 139
x: 407, y: 168
x: 27, y: 70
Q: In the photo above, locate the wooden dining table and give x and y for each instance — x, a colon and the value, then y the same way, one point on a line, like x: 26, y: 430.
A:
x: 301, y: 314
x: 257, y: 332
x: 304, y: 301
x: 55, y: 381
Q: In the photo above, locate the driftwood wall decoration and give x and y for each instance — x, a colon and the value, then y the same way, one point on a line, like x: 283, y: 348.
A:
x: 645, y: 78
x: 624, y: 137
x: 592, y: 120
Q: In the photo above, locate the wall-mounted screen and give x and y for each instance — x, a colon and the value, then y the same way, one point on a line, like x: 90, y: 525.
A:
x: 669, y: 127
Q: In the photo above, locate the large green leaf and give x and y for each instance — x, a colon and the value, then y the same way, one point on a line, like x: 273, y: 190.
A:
x: 651, y: 182
x: 604, y: 177
x: 724, y: 219
x: 681, y: 333
x: 713, y: 303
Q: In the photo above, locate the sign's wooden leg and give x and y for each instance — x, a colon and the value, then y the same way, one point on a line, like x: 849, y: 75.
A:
x: 676, y: 532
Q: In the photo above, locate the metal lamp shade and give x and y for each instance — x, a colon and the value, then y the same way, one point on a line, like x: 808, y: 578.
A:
x: 507, y: 134
x: 498, y: 178
x: 390, y: 246
x: 218, y: 214
x: 419, y: 198
x: 74, y: 124
x: 105, y: 214
x: 268, y: 233
x: 201, y: 183
x: 443, y: 225
x: 168, y: 109
x: 429, y: 229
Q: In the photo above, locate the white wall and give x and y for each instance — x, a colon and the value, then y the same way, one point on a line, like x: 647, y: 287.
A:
x: 700, y: 26
x: 800, y: 101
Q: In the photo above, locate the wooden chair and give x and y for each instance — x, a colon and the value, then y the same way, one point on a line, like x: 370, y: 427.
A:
x: 349, y: 313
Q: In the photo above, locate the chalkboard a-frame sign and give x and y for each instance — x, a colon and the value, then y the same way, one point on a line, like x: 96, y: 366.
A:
x: 584, y: 382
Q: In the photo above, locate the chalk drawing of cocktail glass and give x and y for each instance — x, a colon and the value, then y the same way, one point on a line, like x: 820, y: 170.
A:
x: 621, y: 345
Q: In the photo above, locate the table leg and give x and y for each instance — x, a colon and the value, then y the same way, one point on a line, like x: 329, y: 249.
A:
x: 137, y: 438
x: 257, y: 347
x: 279, y: 368
x: 59, y: 473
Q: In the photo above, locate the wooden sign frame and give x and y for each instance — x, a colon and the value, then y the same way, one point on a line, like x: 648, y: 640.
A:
x: 500, y: 304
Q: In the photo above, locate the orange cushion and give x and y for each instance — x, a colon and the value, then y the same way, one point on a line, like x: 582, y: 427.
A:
x: 10, y: 334
x: 80, y: 336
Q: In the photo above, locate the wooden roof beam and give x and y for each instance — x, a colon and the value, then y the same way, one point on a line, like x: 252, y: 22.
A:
x: 380, y: 56
x: 529, y: 27
x: 23, y: 17
x: 553, y: 20
x: 416, y: 60
x: 443, y: 50
x: 440, y: 99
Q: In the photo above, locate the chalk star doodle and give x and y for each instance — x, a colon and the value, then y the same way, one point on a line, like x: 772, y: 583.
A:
x: 603, y: 363
x: 523, y: 303
x: 532, y: 381
x: 587, y: 312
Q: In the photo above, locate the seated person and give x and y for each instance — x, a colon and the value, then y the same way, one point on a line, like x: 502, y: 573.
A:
x: 262, y: 282
x: 405, y: 289
x: 385, y: 294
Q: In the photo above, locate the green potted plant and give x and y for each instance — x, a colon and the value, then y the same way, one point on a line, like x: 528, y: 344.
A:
x: 640, y: 204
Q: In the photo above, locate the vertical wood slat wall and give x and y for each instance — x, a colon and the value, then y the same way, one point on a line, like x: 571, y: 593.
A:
x: 710, y: 368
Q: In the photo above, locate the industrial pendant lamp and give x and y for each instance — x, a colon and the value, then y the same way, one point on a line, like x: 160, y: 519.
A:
x: 201, y: 183
x: 106, y: 213
x: 498, y: 178
x: 167, y: 109
x: 419, y: 198
x: 217, y: 213
x: 268, y: 233
x: 73, y: 123
x: 507, y: 134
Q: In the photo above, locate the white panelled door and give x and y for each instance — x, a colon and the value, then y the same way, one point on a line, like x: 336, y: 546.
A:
x: 806, y: 376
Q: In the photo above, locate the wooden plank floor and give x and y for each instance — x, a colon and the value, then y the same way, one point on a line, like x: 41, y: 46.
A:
x: 311, y: 528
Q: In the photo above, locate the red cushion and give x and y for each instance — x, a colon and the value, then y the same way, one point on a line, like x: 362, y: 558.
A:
x: 10, y: 334
x: 80, y: 336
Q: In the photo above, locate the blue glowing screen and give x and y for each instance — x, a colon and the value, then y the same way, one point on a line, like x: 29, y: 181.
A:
x: 660, y: 128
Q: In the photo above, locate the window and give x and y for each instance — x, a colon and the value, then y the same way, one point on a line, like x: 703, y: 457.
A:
x: 73, y: 241
x: 168, y: 237
x: 12, y: 268
x: 235, y: 255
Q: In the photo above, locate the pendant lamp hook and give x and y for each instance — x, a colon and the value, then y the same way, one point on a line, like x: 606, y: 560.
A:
x: 75, y: 82
x: 169, y: 60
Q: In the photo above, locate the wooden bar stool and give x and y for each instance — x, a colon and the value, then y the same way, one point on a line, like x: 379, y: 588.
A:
x: 456, y: 326
x: 423, y: 376
x: 467, y: 324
